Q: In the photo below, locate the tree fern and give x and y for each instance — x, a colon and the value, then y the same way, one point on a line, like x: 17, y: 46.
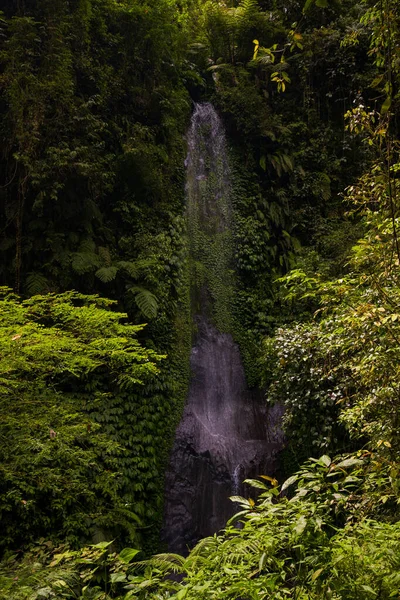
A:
x: 85, y: 260
x: 107, y: 274
x: 36, y: 283
x: 131, y: 268
x: 146, y: 302
x: 105, y: 255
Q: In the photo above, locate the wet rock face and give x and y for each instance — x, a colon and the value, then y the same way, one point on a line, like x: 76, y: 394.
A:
x: 226, y: 434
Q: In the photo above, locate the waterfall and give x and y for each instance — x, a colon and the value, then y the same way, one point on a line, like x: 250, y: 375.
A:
x: 226, y: 432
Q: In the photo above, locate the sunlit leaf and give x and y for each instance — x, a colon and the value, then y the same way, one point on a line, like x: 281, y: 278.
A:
x: 289, y: 482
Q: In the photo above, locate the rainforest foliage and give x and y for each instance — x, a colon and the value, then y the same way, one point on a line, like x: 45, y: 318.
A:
x: 69, y: 369
x: 93, y: 113
x: 95, y: 100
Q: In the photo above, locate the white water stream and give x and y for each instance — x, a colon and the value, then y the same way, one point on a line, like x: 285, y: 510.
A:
x: 226, y: 433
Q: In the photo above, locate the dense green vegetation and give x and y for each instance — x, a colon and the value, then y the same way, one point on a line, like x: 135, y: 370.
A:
x: 69, y: 372
x: 93, y: 113
x: 95, y: 99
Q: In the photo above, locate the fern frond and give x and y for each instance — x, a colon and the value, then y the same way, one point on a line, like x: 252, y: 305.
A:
x: 145, y: 263
x: 105, y: 256
x: 146, y: 302
x: 138, y: 267
x: 205, y: 546
x: 246, y: 10
x: 85, y: 260
x: 166, y: 563
x: 170, y: 563
x: 36, y: 283
x: 249, y: 6
x: 131, y: 268
x: 87, y: 247
x: 107, y: 274
x: 238, y: 548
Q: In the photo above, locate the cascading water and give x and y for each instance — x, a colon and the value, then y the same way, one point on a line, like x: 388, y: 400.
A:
x: 226, y: 433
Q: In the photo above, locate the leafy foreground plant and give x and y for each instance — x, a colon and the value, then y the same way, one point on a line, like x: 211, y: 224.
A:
x: 317, y: 544
x: 65, y: 358
x: 295, y: 548
x: 48, y: 572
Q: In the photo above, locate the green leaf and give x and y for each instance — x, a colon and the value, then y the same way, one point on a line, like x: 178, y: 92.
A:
x: 118, y: 578
x: 128, y: 554
x: 289, y: 482
x: 350, y: 462
x: 307, y: 5
x: 316, y: 574
x: 257, y: 484
x: 301, y: 524
x: 242, y: 501
x: 368, y: 589
x: 256, y: 47
x: 377, y: 81
x: 102, y: 545
x: 386, y: 105
x: 237, y: 516
x: 262, y: 561
x: 326, y: 460
x: 60, y: 583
